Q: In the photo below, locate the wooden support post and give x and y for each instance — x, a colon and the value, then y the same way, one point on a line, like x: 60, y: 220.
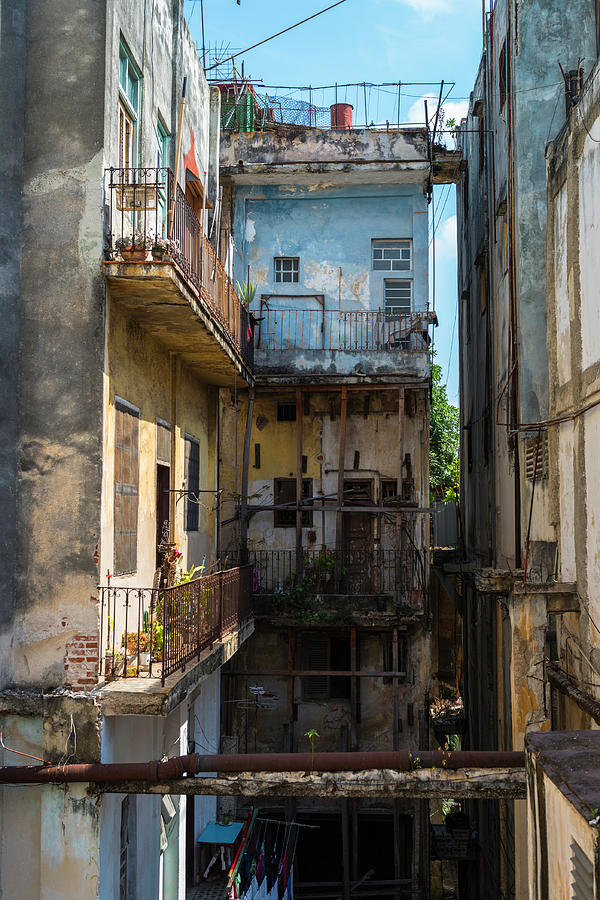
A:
x: 353, y: 692
x: 299, y: 555
x: 396, y: 746
x: 245, y: 464
x: 345, y: 827
x: 339, y: 520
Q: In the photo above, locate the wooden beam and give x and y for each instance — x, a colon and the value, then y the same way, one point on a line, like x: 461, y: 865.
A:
x: 353, y: 690
x: 339, y: 522
x: 473, y: 784
x: 299, y: 556
x: 349, y: 673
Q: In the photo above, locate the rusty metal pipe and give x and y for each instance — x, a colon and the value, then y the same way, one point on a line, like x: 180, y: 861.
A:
x: 193, y: 763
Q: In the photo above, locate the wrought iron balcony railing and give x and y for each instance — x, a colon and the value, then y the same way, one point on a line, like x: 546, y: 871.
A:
x: 155, y: 632
x: 318, y: 329
x: 149, y: 219
x: 401, y: 573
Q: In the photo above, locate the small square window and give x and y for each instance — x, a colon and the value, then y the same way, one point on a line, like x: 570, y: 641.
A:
x: 287, y: 269
x: 286, y: 412
x: 392, y: 256
x: 285, y: 492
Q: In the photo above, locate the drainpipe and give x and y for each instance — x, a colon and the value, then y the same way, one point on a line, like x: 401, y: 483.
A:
x: 245, y: 465
x: 194, y: 763
x: 514, y: 346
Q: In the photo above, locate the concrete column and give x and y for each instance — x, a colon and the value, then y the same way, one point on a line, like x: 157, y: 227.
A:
x: 528, y: 618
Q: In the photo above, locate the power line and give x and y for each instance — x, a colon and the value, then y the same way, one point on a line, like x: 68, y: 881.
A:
x: 285, y: 30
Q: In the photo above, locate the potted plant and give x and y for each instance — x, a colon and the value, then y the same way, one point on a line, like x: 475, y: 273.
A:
x: 134, y: 248
x: 163, y: 247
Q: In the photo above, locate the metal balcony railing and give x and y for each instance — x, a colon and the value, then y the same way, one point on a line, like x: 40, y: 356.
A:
x: 402, y: 573
x: 155, y: 632
x: 149, y: 219
x: 318, y: 329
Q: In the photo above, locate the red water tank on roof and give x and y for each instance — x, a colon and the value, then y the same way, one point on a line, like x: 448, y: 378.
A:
x: 341, y: 115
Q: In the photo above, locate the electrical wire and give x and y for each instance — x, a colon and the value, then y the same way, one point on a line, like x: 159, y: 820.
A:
x: 279, y: 33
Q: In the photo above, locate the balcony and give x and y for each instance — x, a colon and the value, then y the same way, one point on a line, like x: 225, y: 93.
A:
x: 357, y: 344
x: 331, y: 583
x: 152, y: 632
x: 162, y: 268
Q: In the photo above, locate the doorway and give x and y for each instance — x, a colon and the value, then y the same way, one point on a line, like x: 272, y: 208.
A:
x: 357, y: 537
x: 163, y: 485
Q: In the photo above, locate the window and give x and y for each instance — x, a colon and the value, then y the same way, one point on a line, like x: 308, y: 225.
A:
x: 397, y: 297
x: 392, y: 256
x: 502, y: 76
x: 162, y: 141
x: 129, y: 91
x: 389, y: 491
x: 192, y: 480
x: 286, y: 412
x: 324, y: 652
x: 287, y: 268
x: 285, y: 492
x: 127, y: 420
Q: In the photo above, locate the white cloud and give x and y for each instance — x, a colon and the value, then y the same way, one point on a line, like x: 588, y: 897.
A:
x: 453, y: 109
x: 445, y: 239
x: 428, y: 7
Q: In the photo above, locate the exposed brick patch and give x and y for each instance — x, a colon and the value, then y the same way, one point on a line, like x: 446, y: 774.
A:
x: 81, y: 661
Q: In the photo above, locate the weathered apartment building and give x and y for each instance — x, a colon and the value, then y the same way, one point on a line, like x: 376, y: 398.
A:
x: 154, y: 423
x: 114, y: 356
x: 527, y: 245
x: 331, y: 227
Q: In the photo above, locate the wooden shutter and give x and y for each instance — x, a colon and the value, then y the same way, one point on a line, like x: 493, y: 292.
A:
x: 127, y: 422
x: 192, y: 476
x: 316, y: 656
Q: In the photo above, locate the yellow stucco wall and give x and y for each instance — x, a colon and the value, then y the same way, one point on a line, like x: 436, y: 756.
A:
x: 375, y: 437
x: 139, y: 370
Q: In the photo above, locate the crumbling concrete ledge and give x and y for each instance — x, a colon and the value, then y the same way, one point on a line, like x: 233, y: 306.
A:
x: 473, y: 784
x: 147, y: 697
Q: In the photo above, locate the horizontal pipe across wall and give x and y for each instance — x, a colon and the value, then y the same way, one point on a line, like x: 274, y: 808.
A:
x: 193, y: 763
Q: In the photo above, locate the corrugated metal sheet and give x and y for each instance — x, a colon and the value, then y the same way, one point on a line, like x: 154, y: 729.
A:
x: 445, y: 525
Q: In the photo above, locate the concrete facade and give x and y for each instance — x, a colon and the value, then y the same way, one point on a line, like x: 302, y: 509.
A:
x: 330, y: 396
x: 516, y: 588
x: 572, y: 244
x: 73, y: 344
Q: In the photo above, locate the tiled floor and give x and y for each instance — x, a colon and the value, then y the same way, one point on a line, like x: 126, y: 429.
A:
x: 208, y: 890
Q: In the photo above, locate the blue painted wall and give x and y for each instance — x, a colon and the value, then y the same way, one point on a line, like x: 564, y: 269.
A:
x: 329, y: 228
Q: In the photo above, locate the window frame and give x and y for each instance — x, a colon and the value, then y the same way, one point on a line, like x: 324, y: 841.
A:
x: 294, y: 271
x: 123, y: 406
x: 391, y: 311
x: 325, y: 687
x: 286, y: 518
x: 378, y: 245
x: 192, y: 508
x: 128, y: 108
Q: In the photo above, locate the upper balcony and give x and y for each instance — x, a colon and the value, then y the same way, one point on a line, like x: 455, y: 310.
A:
x: 358, y: 345
x: 162, y: 268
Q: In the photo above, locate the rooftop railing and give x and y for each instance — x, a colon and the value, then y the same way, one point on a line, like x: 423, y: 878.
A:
x: 317, y: 329
x: 155, y: 632
x: 151, y: 220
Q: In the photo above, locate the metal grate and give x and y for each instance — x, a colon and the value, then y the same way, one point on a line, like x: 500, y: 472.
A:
x: 582, y: 874
x: 531, y: 448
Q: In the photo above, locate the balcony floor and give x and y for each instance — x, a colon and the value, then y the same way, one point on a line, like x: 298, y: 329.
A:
x: 164, y: 302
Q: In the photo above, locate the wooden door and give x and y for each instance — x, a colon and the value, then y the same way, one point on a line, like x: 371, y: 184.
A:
x: 357, y: 538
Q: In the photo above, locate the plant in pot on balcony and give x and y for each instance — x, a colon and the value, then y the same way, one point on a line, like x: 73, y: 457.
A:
x: 163, y: 247
x: 135, y: 247
x: 246, y: 292
x: 138, y: 645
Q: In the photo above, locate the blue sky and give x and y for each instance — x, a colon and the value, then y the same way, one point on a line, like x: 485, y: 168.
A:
x: 374, y: 41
